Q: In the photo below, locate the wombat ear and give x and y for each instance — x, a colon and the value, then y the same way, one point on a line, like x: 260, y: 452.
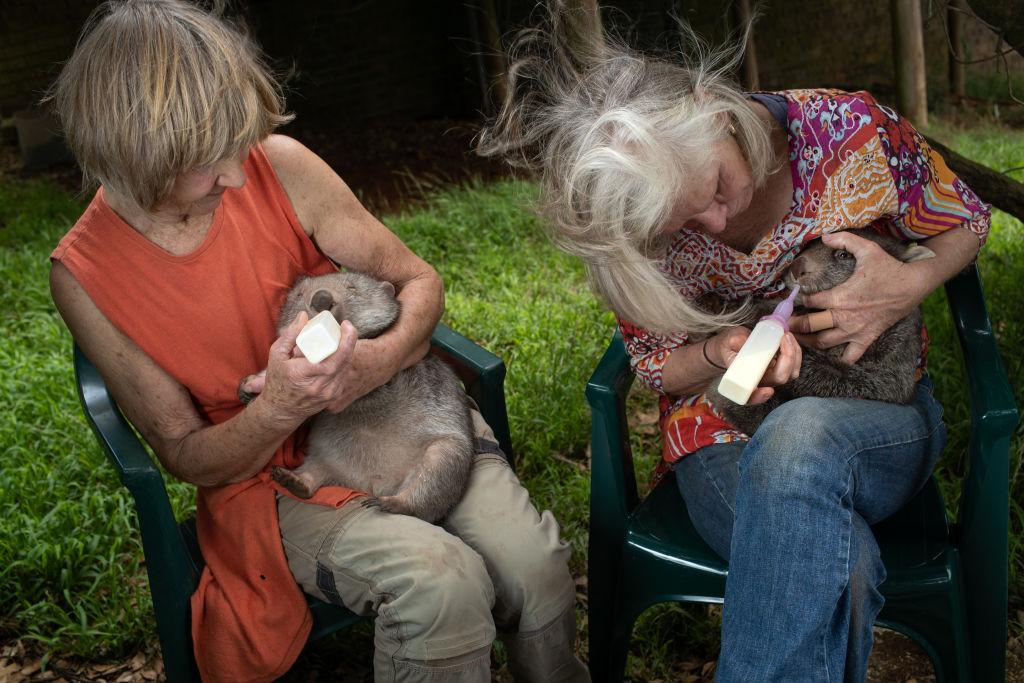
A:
x: 917, y: 253
x: 321, y: 301
x: 388, y: 287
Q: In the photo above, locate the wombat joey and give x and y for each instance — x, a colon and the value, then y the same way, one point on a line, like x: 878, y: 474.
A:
x: 886, y: 371
x: 409, y: 443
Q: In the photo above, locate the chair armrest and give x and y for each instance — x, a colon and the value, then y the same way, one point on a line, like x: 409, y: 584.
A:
x: 994, y: 413
x: 613, y: 492
x: 172, y: 578
x: 983, y: 518
x: 483, y: 373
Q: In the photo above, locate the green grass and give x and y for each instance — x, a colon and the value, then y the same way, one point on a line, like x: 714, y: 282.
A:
x: 72, y: 578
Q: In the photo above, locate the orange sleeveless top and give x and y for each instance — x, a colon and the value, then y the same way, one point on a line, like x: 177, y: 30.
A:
x: 208, y: 319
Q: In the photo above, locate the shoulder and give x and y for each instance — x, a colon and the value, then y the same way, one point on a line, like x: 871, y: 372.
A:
x: 289, y: 157
x: 305, y: 177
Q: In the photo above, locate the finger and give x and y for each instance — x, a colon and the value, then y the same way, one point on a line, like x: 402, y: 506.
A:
x: 806, y: 339
x: 760, y: 395
x: 855, y: 244
x: 812, y: 322
x: 820, y: 320
x: 283, y: 347
x: 349, y: 336
x: 254, y: 383
x: 829, y: 338
x: 787, y: 363
x: 796, y: 357
x: 341, y: 355
x: 854, y: 350
x: 799, y: 324
x: 825, y: 300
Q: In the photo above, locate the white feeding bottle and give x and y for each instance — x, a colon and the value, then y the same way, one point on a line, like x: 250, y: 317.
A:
x: 319, y: 337
x: 747, y: 369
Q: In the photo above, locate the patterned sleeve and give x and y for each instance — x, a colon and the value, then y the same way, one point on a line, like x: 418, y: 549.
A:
x: 931, y: 199
x: 648, y: 351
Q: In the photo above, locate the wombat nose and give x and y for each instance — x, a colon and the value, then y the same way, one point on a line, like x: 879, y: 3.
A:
x: 321, y: 301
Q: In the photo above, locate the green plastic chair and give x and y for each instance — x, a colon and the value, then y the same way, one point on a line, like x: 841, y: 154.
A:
x: 946, y: 585
x: 173, y: 560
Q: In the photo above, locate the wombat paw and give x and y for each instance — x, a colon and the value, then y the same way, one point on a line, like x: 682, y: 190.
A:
x: 245, y: 396
x: 386, y: 504
x: 293, y: 482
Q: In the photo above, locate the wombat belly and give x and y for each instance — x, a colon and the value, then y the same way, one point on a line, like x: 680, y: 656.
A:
x: 375, y: 458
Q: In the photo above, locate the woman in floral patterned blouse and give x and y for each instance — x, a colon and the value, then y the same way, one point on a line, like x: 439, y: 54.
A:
x: 670, y: 183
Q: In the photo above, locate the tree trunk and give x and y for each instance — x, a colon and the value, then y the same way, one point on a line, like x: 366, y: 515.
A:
x: 751, y: 77
x: 495, y: 56
x: 996, y: 188
x: 957, y: 54
x: 908, y: 54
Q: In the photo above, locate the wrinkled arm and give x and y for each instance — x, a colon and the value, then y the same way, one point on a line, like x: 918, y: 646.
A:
x: 672, y: 365
x: 351, y: 237
x: 188, y: 446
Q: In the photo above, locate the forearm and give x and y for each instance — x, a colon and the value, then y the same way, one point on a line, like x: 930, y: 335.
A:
x: 687, y: 371
x: 408, y: 340
x: 231, y: 451
x: 953, y: 249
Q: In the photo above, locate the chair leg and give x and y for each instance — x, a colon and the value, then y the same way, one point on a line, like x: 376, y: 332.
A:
x: 937, y: 623
x: 610, y: 633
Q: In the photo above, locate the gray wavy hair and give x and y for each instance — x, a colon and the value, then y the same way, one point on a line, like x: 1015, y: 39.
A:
x: 615, y: 136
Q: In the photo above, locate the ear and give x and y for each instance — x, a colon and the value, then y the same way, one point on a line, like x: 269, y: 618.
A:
x: 388, y: 287
x: 917, y: 253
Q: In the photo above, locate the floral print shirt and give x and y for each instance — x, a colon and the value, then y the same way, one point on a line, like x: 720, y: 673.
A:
x: 854, y: 163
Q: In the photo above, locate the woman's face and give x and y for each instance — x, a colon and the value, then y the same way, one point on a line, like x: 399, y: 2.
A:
x: 200, y: 190
x: 719, y: 191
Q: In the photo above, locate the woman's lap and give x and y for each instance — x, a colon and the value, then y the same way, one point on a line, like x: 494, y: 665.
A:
x: 890, y: 450
x: 791, y: 510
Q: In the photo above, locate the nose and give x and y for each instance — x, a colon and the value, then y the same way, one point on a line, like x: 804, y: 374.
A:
x: 713, y: 219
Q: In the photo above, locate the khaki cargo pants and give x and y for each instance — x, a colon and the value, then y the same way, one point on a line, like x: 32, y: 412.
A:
x: 440, y: 593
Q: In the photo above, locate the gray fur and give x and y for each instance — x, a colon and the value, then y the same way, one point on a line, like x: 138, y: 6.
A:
x: 886, y: 371
x: 408, y: 443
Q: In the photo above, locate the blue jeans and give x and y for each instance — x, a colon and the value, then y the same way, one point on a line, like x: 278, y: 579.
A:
x: 790, y: 510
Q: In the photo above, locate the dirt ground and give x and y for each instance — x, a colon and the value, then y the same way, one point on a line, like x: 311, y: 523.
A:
x: 391, y: 165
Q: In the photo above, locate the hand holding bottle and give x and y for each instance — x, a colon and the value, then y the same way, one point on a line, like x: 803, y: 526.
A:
x: 747, y: 369
x: 725, y: 346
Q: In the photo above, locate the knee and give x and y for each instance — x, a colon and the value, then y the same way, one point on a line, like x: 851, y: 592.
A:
x: 867, y: 572
x: 534, y: 584
x: 797, y: 449
x: 445, y: 597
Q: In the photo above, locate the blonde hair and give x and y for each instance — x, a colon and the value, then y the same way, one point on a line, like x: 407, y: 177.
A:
x: 158, y: 87
x: 615, y: 136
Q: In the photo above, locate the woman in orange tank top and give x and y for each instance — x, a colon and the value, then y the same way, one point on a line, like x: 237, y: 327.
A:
x: 171, y: 281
